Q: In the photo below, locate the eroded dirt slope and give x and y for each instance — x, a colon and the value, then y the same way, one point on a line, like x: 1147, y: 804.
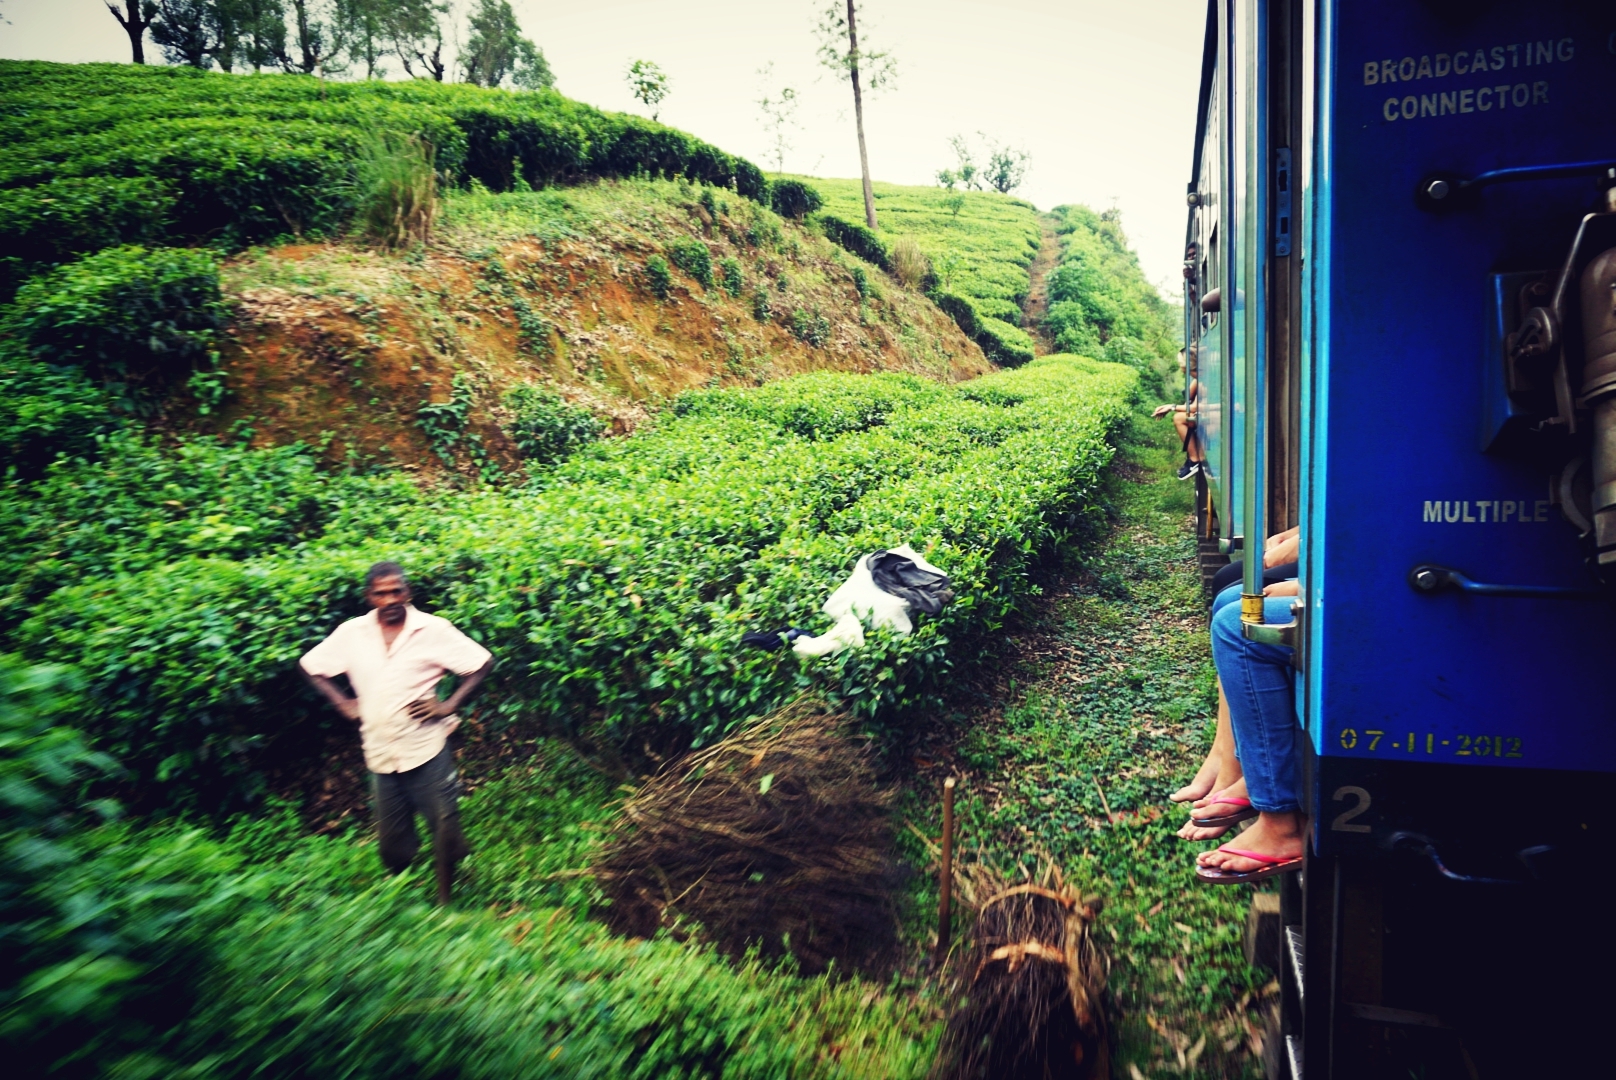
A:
x: 340, y: 345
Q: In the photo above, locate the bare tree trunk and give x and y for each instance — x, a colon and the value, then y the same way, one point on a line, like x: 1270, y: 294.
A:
x: 134, y: 26
x: 858, y: 116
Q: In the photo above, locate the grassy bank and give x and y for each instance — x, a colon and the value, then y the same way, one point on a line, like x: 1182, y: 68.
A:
x: 1100, y: 704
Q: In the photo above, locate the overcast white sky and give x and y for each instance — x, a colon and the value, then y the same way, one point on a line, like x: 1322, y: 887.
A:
x: 1100, y: 92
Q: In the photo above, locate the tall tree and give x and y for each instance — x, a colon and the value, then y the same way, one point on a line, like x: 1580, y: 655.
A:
x: 317, y: 38
x: 648, y: 83
x: 134, y: 19
x: 185, y: 31
x: 415, y: 29
x: 364, y: 26
x: 263, y: 33
x: 878, y: 70
x: 495, y: 50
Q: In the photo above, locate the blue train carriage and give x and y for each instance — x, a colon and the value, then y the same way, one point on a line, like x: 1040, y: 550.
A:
x: 1401, y: 315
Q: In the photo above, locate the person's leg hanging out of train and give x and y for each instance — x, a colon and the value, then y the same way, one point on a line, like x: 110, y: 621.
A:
x: 1259, y: 680
x: 1221, y: 769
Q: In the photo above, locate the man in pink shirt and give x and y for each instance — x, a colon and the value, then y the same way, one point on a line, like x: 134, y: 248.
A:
x: 394, y: 658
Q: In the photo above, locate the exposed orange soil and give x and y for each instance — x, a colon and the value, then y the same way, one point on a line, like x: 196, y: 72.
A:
x: 339, y: 346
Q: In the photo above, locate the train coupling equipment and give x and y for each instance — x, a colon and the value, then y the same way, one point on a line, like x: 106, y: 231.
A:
x: 1431, y: 579
x: 1420, y: 844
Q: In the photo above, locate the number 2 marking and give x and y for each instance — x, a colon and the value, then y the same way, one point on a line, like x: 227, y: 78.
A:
x: 1343, y: 820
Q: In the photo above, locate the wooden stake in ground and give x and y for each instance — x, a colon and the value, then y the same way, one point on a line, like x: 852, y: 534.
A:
x: 945, y: 893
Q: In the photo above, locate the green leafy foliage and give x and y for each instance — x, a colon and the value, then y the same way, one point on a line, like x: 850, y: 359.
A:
x: 129, y: 503
x: 732, y: 276
x: 90, y: 963
x: 618, y: 590
x: 794, y: 198
x: 1099, y: 301
x: 996, y: 237
x: 810, y: 327
x: 762, y: 307
x: 137, y: 317
x: 54, y: 221
x: 981, y: 242
x: 692, y: 256
x: 545, y: 427
x: 857, y: 239
x: 1003, y: 343
x: 245, y: 159
x: 169, y: 950
x: 45, y: 410
x: 658, y: 276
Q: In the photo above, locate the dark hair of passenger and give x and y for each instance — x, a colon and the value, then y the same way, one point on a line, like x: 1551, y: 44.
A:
x: 385, y: 570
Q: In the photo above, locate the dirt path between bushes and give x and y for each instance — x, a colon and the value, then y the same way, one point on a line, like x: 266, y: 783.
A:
x: 1036, y: 306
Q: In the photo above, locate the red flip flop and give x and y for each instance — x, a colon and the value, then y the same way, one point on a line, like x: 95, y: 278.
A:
x: 1246, y: 813
x: 1272, y: 865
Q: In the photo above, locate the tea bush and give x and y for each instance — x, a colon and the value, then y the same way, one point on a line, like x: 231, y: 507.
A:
x: 658, y: 277
x: 1004, y: 344
x: 46, y: 410
x: 130, y: 503
x: 692, y: 256
x: 59, y: 219
x: 857, y: 239
x: 238, y: 159
x: 733, y: 277
x: 135, y: 317
x: 794, y: 198
x: 983, y: 242
x: 615, y: 594
x: 546, y: 428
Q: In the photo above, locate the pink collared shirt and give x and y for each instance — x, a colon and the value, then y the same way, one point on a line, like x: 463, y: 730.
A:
x: 386, y: 680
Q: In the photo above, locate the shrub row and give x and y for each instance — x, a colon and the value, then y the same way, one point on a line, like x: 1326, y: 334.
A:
x: 1003, y: 343
x: 616, y: 594
x: 166, y: 950
x: 236, y: 159
x: 857, y: 239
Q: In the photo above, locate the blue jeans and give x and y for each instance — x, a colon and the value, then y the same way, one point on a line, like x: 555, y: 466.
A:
x: 1226, y: 596
x: 1259, y: 682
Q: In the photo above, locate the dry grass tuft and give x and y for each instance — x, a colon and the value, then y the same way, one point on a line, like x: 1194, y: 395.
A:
x: 396, y: 189
x: 1032, y: 985
x: 909, y: 262
x: 778, y: 837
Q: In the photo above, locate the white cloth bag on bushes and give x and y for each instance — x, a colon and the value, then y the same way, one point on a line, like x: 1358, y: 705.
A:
x: 857, y: 600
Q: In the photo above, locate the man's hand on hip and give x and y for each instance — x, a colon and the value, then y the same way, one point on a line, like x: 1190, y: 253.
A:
x: 428, y: 710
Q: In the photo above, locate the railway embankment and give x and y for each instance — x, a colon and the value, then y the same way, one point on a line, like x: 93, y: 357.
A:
x: 1093, y: 706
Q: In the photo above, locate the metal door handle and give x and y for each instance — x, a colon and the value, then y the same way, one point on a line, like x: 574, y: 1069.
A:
x: 1432, y: 579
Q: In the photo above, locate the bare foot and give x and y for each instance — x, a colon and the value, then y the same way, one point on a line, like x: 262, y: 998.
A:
x: 1202, y: 785
x: 1281, y: 836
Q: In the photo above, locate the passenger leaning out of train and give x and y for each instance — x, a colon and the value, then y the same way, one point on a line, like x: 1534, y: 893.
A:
x: 1184, y: 423
x: 1256, y: 691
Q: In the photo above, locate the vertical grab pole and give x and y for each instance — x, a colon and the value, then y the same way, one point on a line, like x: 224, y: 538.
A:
x: 1255, y: 247
x: 945, y: 894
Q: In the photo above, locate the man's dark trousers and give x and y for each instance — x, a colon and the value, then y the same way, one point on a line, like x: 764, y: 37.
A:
x: 431, y: 790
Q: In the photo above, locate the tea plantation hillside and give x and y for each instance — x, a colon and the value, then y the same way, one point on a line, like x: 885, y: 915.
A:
x: 979, y: 245
x: 614, y: 399
x: 295, y: 310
